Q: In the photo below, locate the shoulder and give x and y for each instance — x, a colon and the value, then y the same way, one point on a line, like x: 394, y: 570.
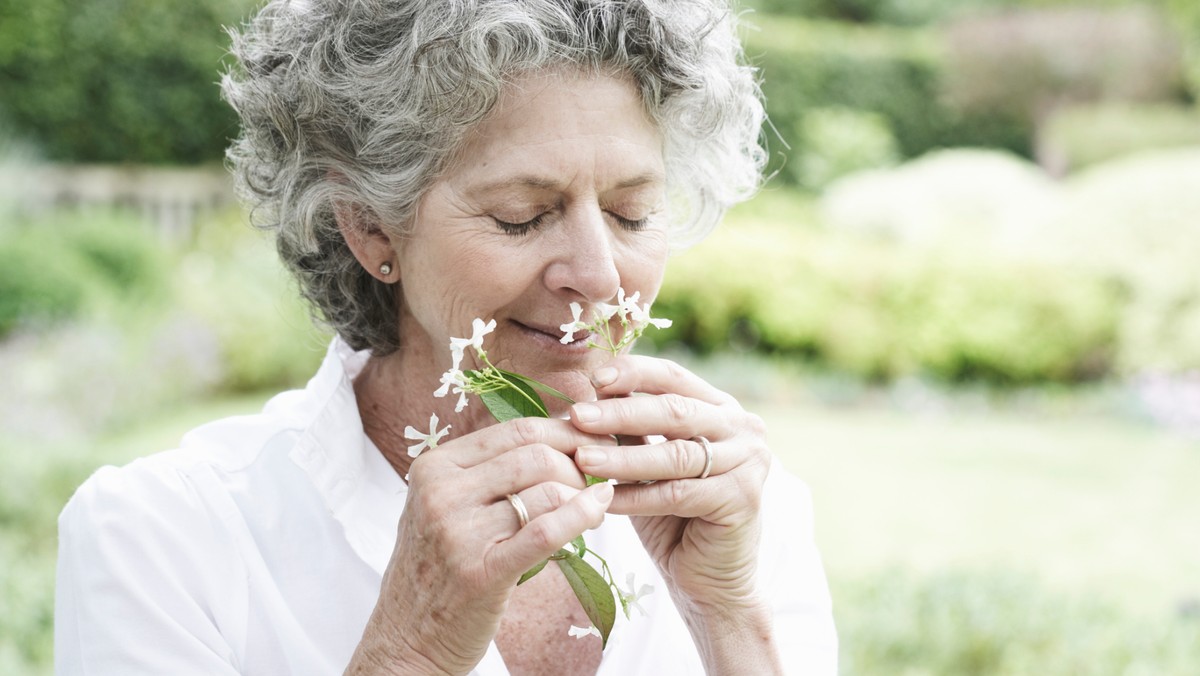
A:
x: 171, y: 491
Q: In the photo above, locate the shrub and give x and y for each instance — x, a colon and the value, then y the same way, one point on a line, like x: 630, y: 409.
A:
x: 233, y: 283
x: 882, y: 311
x: 842, y: 141
x: 979, y: 198
x: 38, y: 285
x: 1134, y: 220
x: 1085, y: 135
x: 1029, y: 63
x: 894, y: 73
x: 117, y: 80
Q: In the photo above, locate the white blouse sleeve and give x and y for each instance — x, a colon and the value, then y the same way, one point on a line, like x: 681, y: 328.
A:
x: 141, y: 579
x: 793, y: 579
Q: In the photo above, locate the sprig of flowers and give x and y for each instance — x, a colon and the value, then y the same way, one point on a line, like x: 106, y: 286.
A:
x: 510, y: 395
x: 634, y: 319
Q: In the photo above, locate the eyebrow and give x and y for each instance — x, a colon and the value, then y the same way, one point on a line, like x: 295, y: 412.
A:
x: 542, y: 183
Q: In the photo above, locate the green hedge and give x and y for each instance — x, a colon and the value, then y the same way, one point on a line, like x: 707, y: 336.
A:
x: 894, y: 72
x: 57, y: 269
x: 117, y: 80
x: 882, y: 312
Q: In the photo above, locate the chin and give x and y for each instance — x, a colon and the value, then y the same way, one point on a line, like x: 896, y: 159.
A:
x: 574, y: 384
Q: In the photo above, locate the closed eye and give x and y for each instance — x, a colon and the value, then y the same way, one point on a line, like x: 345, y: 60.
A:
x: 517, y: 229
x: 629, y: 223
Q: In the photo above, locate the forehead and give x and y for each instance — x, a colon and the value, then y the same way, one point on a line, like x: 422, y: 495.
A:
x: 561, y: 123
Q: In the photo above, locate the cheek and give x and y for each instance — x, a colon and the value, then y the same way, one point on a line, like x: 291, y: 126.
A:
x: 644, y: 266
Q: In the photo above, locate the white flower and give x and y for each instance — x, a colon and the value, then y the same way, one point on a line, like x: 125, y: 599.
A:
x: 604, y: 311
x: 478, y: 331
x: 631, y: 597
x: 454, y: 378
x: 580, y: 632
x: 427, y: 440
x: 569, y: 328
x: 639, y: 315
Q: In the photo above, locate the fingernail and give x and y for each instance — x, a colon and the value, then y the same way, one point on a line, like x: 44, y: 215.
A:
x: 604, y: 376
x: 591, y: 456
x: 602, y: 492
x: 586, y: 412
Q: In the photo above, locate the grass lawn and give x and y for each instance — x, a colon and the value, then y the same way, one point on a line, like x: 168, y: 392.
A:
x: 1100, y: 507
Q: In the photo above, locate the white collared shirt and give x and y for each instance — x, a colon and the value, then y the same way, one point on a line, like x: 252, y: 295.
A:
x: 258, y: 547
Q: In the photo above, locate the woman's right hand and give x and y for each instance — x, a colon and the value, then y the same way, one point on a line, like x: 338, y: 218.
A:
x: 459, y: 549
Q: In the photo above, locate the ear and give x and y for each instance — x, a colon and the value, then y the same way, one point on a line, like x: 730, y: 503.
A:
x: 370, y: 245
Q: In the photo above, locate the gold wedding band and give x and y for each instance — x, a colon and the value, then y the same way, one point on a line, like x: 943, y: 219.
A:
x: 708, y: 456
x: 519, y: 507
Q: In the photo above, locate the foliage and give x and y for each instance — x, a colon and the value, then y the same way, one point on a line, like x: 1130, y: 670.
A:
x: 959, y: 197
x: 1081, y: 136
x: 841, y: 141
x: 882, y: 311
x: 57, y: 268
x: 117, y: 80
x: 1127, y: 225
x: 1134, y: 221
x: 98, y: 332
x: 988, y: 624
x: 1030, y: 63
x: 233, y: 283
x: 893, y: 73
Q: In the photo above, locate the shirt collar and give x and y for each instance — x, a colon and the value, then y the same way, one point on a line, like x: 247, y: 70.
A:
x: 360, y: 488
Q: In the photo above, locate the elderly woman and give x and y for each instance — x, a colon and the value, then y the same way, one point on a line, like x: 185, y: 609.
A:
x: 425, y: 164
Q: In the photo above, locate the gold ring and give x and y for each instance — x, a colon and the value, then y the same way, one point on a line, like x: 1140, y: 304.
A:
x: 519, y: 507
x: 708, y: 456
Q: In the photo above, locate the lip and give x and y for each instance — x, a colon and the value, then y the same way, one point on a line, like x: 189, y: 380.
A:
x: 549, y: 338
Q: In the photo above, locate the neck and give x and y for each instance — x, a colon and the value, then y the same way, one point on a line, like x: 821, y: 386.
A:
x: 396, y: 391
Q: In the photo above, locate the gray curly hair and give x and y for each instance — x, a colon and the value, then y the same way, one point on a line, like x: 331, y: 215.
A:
x: 362, y: 103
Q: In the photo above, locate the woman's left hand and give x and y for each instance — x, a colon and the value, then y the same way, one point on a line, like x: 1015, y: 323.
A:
x: 702, y: 533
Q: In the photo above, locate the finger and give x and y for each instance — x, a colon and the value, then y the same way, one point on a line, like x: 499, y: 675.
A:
x: 670, y: 415
x: 521, y: 468
x: 671, y: 459
x: 636, y: 373
x: 536, y: 500
x: 546, y: 534
x: 485, y: 444
x: 687, y: 498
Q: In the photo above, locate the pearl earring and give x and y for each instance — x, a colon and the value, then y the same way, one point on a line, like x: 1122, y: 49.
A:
x: 385, y: 269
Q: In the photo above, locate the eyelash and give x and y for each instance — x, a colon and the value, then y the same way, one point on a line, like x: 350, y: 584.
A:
x: 518, y: 229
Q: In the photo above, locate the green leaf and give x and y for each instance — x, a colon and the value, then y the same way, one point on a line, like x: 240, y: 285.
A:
x: 593, y: 480
x: 531, y: 572
x: 508, y: 375
x: 579, y: 545
x: 518, y: 400
x: 593, y: 593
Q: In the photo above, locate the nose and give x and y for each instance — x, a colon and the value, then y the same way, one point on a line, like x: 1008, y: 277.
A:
x: 584, y: 265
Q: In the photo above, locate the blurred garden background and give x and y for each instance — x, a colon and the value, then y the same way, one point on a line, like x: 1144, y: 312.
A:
x: 967, y: 304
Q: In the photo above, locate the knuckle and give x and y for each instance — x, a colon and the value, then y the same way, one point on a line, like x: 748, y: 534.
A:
x: 679, y: 409
x: 677, y: 492
x: 526, y: 430
x: 554, y: 495
x: 756, y: 425
x: 539, y: 532
x: 680, y: 456
x: 675, y: 371
x: 541, y: 458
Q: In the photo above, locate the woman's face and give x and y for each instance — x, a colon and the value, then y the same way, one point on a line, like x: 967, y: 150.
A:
x: 554, y: 198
